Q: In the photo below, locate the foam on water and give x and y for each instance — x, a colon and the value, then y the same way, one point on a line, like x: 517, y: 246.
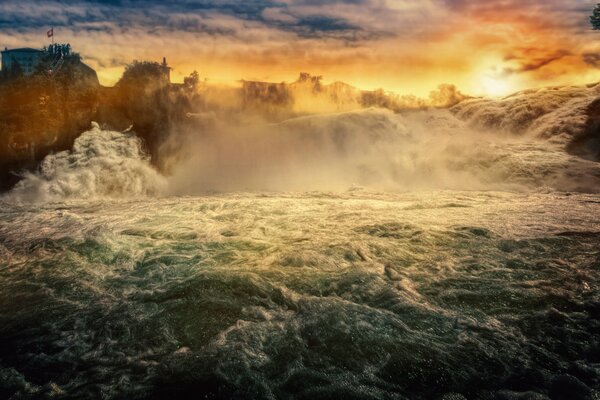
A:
x: 478, y: 145
x: 360, y: 295
x: 375, y: 149
x: 101, y: 164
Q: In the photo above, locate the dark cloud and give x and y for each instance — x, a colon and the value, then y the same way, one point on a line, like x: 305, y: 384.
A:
x: 346, y: 20
x: 187, y: 16
x: 306, y: 17
x: 325, y: 24
x: 530, y: 61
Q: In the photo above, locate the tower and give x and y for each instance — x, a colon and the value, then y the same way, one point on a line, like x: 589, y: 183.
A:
x: 166, y: 69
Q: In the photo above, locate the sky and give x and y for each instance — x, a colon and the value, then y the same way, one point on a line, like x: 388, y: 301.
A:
x: 484, y: 47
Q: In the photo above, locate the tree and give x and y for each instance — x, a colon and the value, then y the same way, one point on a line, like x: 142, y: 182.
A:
x: 191, y: 82
x: 143, y: 72
x: 595, y: 18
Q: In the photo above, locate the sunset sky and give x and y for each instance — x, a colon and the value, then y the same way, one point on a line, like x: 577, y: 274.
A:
x: 491, y: 47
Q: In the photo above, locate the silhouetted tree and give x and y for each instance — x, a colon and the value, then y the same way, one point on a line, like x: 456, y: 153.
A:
x: 191, y: 82
x: 595, y: 18
x: 140, y: 72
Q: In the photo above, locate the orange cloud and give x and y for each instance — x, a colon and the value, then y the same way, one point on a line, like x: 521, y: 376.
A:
x: 408, y: 46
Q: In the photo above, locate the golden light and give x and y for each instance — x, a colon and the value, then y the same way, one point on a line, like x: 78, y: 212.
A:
x: 496, y: 86
x: 109, y: 76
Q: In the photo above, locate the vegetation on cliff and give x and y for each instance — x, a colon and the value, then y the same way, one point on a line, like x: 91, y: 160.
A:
x: 47, y: 111
x: 145, y: 100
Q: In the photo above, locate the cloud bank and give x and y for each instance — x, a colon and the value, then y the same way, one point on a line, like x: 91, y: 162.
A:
x: 408, y: 46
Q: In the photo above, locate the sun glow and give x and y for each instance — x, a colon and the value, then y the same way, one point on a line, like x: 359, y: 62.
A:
x: 496, y: 87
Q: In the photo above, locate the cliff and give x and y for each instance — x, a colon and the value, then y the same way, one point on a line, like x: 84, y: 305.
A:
x: 41, y: 114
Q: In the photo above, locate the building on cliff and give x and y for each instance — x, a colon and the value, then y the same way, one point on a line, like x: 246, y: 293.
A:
x: 48, y: 61
x: 24, y: 58
x: 166, y: 70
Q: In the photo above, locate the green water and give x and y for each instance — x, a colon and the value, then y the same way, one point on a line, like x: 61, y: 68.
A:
x: 359, y: 295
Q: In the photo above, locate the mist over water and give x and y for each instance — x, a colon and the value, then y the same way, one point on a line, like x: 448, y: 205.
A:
x: 361, y: 255
x: 515, y: 144
x: 375, y: 149
x: 102, y: 163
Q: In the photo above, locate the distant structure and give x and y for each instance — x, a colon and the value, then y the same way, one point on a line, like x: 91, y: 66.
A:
x: 26, y: 58
x: 166, y: 69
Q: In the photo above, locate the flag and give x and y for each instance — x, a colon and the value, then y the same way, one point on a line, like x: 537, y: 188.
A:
x: 50, y: 33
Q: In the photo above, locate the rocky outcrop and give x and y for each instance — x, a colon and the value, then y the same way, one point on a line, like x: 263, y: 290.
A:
x: 40, y: 115
x: 146, y: 102
x: 43, y: 114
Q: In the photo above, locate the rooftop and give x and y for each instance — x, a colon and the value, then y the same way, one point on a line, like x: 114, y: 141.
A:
x: 22, y: 50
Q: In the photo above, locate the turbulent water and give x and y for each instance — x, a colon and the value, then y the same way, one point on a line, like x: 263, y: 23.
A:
x: 362, y: 295
x: 449, y: 263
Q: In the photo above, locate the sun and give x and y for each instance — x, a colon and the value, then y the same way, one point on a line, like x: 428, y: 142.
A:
x: 495, y: 87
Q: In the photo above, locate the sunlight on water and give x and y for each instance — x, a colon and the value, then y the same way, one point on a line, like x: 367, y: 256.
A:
x: 462, y: 262
x: 363, y: 294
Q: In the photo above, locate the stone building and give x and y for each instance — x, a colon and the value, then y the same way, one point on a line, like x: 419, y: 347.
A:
x: 27, y: 59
